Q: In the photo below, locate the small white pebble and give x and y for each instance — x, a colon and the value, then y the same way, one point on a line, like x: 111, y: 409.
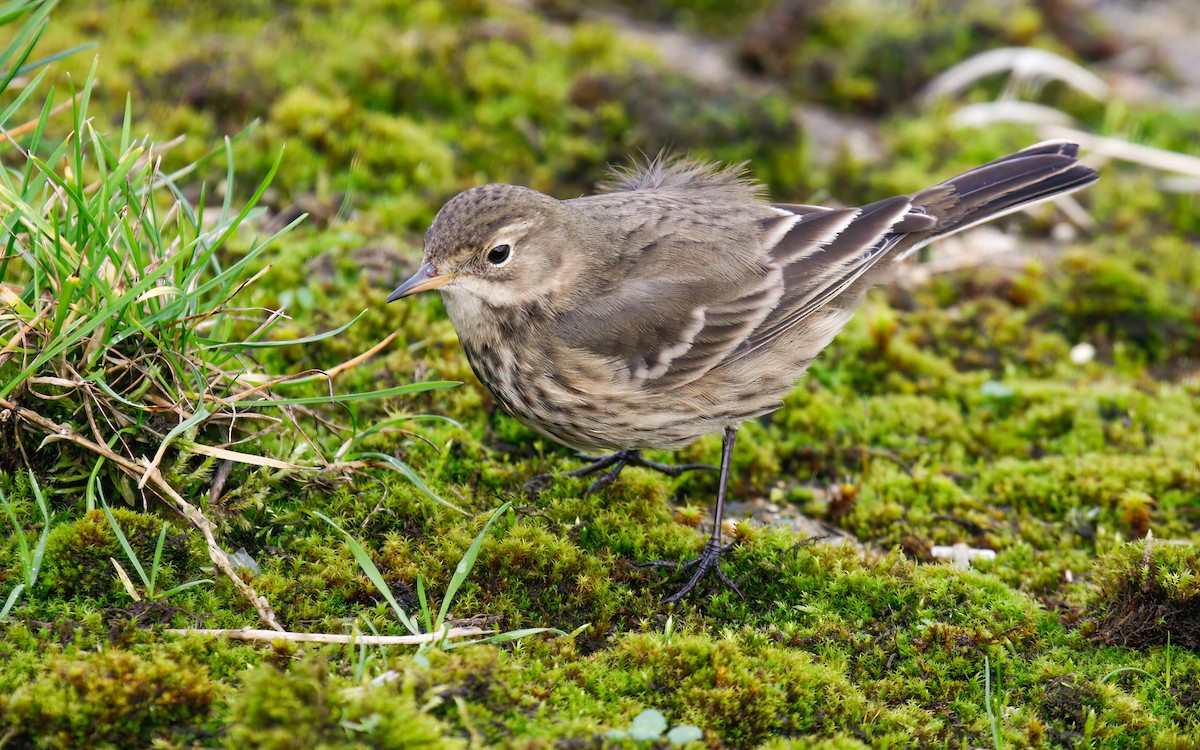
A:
x: 1083, y: 353
x: 1062, y: 232
x: 961, y: 555
x: 385, y: 678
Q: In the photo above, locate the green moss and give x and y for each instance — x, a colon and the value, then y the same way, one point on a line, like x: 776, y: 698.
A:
x: 111, y: 699
x: 854, y: 56
x: 742, y: 695
x: 79, y: 556
x: 304, y: 707
x: 1146, y: 593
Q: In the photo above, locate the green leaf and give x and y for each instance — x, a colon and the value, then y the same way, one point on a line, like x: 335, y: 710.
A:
x: 129, y: 553
x: 158, y: 550
x: 290, y: 342
x: 343, y: 398
x: 183, y: 587
x: 200, y: 415
x: 412, y: 476
x: 13, y: 596
x: 426, y: 613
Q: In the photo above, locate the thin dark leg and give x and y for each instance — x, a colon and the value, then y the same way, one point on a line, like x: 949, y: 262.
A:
x: 614, y: 462
x: 710, y: 557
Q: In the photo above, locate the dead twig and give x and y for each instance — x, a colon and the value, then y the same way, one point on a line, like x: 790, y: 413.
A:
x: 252, y: 634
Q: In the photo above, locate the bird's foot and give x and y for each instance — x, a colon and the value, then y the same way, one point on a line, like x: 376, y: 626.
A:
x: 611, y: 465
x: 709, y: 559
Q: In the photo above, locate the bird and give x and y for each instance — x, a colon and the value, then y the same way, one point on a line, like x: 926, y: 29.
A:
x: 677, y: 300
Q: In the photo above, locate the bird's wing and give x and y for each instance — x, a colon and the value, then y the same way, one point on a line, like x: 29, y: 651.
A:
x: 671, y: 331
x: 821, y: 254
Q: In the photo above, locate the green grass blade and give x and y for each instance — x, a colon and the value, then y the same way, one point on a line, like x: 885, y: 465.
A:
x: 124, y: 543
x: 197, y: 418
x: 290, y: 342
x: 368, y: 566
x: 408, y: 473
x: 426, y: 613
x: 13, y: 596
x: 42, y: 62
x: 183, y: 587
x: 1123, y: 670
x: 27, y: 38
x: 354, y: 441
x: 987, y: 697
x: 22, y: 544
x: 512, y: 635
x: 158, y: 550
x: 27, y: 91
x: 251, y: 203
x: 465, y: 564
x: 39, y: 552
x: 13, y: 10
x: 344, y: 398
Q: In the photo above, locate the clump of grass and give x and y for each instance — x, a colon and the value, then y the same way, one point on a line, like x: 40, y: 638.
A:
x: 121, y: 342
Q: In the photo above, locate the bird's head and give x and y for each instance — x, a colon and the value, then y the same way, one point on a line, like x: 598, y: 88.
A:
x: 501, y: 243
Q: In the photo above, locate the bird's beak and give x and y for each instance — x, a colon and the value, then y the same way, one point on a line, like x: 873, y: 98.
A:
x: 422, y: 281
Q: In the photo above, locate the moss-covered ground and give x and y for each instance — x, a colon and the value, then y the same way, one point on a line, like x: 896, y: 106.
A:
x: 950, y: 411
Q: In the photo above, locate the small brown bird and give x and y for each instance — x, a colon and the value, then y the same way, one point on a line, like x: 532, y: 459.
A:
x: 676, y: 302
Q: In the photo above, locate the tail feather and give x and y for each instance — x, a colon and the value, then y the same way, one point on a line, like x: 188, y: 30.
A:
x: 830, y: 258
x: 1034, y: 174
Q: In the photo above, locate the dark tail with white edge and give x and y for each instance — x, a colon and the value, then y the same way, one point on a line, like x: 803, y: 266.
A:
x: 1035, y: 174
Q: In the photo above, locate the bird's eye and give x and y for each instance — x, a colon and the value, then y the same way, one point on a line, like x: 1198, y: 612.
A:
x: 498, y: 255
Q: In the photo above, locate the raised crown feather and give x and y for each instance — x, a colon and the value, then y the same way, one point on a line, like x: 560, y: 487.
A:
x: 676, y: 173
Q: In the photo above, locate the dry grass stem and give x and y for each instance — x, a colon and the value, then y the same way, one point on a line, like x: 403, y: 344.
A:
x: 56, y: 431
x: 251, y: 634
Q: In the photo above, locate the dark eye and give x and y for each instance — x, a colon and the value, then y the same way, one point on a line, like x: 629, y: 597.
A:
x: 499, y: 254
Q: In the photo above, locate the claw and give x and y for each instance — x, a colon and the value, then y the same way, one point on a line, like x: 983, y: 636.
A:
x: 708, y: 560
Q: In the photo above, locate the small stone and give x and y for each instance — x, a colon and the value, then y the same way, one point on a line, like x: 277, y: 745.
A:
x: 961, y: 555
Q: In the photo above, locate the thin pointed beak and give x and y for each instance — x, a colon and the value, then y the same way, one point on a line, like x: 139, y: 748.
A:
x: 422, y: 281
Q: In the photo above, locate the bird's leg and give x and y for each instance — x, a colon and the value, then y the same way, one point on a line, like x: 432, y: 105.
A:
x: 710, y: 558
x: 614, y: 463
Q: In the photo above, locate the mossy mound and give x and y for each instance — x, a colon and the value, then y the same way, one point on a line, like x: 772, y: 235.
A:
x: 112, y: 699
x: 80, y: 554
x: 1146, y: 594
x: 303, y: 707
